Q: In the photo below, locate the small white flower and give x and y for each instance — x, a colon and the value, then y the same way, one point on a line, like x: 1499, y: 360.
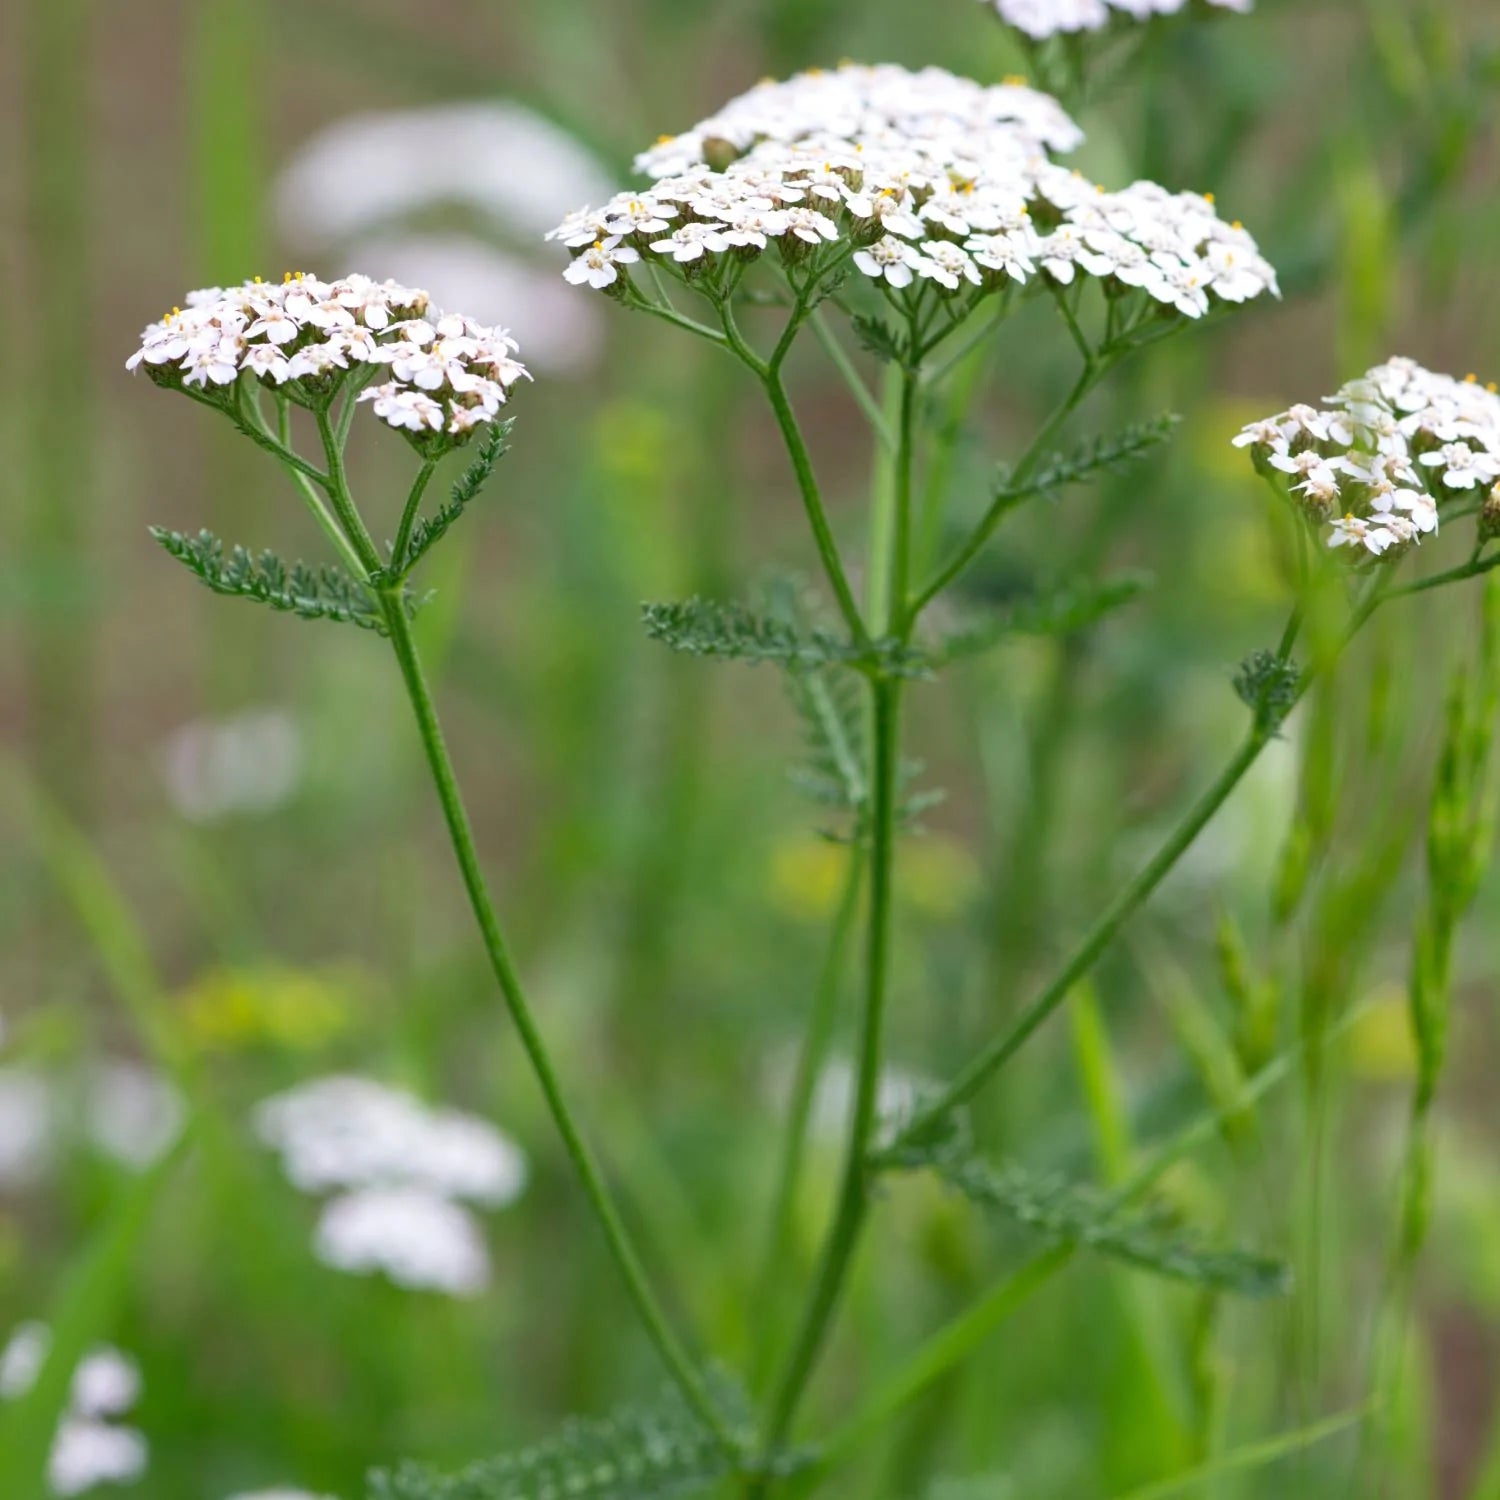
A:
x: 810, y: 225
x: 945, y: 263
x: 1462, y: 467
x: 890, y: 258
x: 692, y: 242
x: 597, y: 266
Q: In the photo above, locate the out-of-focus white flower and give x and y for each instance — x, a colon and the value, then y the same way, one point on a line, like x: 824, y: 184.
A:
x: 132, y: 1113
x: 27, y: 1118
x: 348, y: 1132
x: 88, y: 1450
x: 909, y: 175
x: 326, y: 330
x: 559, y: 331
x: 248, y: 763
x: 1383, y: 455
x: 1040, y: 19
x: 418, y: 1238
x: 361, y: 187
x: 86, y: 1454
x: 899, y: 1094
x: 371, y: 170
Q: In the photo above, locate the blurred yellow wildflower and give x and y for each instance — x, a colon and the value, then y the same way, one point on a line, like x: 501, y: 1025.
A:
x: 938, y: 877
x: 234, y: 1009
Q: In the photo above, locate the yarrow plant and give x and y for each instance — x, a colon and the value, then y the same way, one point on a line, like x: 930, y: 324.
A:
x: 907, y: 216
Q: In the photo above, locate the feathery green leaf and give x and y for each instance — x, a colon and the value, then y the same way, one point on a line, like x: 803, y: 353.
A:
x: 1099, y: 455
x: 639, y: 1452
x: 703, y: 627
x: 324, y: 593
x: 1077, y: 1214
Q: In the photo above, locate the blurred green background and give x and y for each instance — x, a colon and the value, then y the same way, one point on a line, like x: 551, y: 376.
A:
x: 220, y: 856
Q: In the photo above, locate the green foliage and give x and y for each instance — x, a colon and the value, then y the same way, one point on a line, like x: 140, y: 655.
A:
x: 1268, y: 684
x: 1066, y: 610
x: 324, y: 593
x: 639, y: 1452
x: 1100, y: 455
x: 703, y: 627
x: 836, y: 735
x: 878, y: 338
x: 1077, y: 1215
x: 430, y: 530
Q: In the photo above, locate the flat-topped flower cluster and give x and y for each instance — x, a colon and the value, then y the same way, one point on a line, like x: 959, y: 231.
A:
x: 305, y: 337
x: 916, y: 179
x: 1040, y: 19
x: 1381, y: 459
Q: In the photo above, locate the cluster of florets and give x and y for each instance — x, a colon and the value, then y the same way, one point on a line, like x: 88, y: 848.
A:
x: 1040, y: 19
x: 305, y: 338
x: 400, y: 1172
x: 91, y: 1446
x: 1381, y: 459
x: 918, y: 179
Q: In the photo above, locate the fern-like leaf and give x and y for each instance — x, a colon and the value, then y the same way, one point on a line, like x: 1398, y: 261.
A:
x: 1098, y: 456
x: 1065, y: 610
x: 637, y: 1453
x: 703, y: 627
x: 878, y: 338
x: 430, y: 530
x: 1073, y: 1214
x: 323, y: 593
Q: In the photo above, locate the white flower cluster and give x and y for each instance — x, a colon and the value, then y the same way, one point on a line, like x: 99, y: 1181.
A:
x: 1040, y: 19
x: 90, y: 1448
x: 1380, y: 458
x: 400, y: 1171
x: 918, y: 177
x: 448, y: 374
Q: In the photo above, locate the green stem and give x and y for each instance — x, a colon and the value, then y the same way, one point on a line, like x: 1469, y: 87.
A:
x: 1099, y: 937
x: 1093, y: 372
x: 812, y: 502
x: 900, y: 617
x: 673, y: 1355
x: 853, y: 1202
x: 810, y: 1065
x: 343, y: 503
x: 947, y: 1348
x: 409, y: 515
x: 953, y: 1343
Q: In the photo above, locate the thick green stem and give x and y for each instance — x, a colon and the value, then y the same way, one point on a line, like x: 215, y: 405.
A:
x: 673, y: 1355
x: 843, y: 1236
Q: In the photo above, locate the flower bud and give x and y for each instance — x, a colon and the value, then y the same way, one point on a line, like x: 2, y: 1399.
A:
x: 1489, y: 515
